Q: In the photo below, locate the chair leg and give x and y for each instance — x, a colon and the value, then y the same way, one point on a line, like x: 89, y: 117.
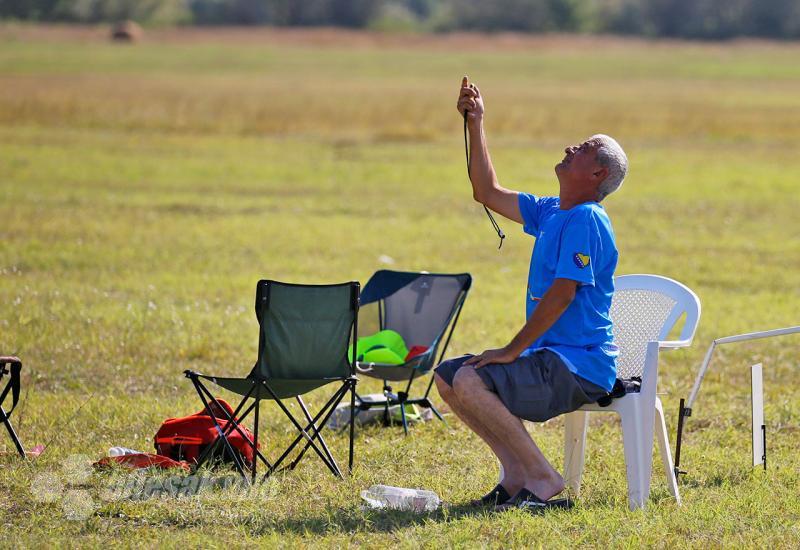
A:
x: 329, y: 407
x: 352, y: 424
x: 387, y: 418
x: 231, y: 424
x: 638, y: 444
x: 575, y: 424
x: 228, y: 446
x: 403, y: 416
x: 666, y: 455
x: 437, y: 413
x: 255, y: 442
x: 7, y: 421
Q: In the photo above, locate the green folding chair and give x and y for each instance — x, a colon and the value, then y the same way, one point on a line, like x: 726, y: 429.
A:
x: 305, y: 335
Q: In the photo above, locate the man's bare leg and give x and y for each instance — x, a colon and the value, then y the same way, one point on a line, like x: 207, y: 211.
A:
x: 540, y: 477
x: 513, y: 472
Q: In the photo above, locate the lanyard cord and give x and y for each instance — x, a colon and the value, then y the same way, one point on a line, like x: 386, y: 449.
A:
x: 491, y: 218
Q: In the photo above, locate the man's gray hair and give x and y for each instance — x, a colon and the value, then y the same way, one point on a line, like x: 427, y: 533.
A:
x: 611, y: 156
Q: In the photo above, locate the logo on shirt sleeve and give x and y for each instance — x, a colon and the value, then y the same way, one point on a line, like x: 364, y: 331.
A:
x: 581, y: 260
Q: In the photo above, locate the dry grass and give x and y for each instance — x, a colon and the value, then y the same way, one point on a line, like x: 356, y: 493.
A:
x: 145, y: 189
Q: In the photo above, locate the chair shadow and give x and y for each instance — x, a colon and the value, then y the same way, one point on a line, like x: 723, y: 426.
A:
x: 372, y: 520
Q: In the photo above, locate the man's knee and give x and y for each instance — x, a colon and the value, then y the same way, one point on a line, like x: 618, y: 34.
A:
x: 466, y: 382
x: 445, y: 390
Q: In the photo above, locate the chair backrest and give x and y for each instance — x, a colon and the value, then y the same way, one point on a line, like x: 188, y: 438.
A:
x: 419, y: 306
x: 645, y: 308
x: 305, y: 330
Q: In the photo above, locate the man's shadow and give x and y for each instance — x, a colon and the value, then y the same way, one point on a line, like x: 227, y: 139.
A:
x: 372, y: 520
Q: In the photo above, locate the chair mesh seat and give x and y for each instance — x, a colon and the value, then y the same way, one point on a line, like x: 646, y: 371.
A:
x: 638, y: 316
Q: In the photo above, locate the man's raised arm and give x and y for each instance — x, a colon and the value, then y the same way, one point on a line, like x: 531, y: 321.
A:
x: 485, y: 187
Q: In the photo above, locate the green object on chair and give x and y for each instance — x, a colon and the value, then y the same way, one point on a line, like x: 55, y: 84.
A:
x: 386, y: 347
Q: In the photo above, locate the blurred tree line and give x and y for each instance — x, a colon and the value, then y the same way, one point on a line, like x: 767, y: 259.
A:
x: 704, y: 19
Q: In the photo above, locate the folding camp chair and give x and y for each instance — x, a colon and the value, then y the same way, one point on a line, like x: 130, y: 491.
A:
x: 420, y: 307
x: 304, y: 336
x: 11, y: 366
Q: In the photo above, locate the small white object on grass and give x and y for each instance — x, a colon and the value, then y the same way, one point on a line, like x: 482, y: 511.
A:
x: 400, y: 498
x: 122, y: 451
x: 384, y: 259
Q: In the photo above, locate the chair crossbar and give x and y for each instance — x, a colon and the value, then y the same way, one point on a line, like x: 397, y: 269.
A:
x: 303, y: 432
x: 220, y: 431
x: 316, y: 431
x: 234, y: 424
x: 345, y: 389
x: 311, y: 432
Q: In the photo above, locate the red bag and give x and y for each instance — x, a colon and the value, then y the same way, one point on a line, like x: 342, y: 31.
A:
x: 186, y: 438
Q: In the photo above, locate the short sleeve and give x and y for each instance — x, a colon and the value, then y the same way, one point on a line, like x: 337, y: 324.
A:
x: 530, y: 207
x: 577, y: 255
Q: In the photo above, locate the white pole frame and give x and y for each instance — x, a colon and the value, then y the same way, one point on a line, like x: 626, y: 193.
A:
x: 759, y: 446
x: 729, y: 340
x: 686, y: 408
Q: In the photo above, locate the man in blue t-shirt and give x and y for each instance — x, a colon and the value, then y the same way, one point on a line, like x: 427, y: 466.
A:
x: 564, y: 356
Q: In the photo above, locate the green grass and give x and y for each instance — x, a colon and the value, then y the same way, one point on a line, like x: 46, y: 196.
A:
x: 144, y: 190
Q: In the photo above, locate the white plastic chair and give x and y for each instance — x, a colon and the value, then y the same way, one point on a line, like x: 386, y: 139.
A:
x: 644, y: 310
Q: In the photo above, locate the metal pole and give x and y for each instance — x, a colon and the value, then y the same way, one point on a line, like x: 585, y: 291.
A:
x: 686, y: 411
x: 729, y: 340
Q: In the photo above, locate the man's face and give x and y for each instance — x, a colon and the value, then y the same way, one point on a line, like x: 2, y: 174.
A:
x: 579, y: 169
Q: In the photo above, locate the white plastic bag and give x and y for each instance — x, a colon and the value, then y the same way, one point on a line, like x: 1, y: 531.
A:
x: 400, y: 498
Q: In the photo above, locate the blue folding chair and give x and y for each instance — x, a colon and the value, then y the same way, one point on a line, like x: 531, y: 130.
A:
x: 420, y: 307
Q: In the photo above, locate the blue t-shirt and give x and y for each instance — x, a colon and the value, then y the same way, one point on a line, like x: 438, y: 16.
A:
x: 576, y: 244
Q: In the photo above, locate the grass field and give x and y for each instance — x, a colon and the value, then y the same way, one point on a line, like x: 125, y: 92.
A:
x: 145, y: 189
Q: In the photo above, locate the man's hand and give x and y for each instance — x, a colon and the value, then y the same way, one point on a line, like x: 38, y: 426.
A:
x: 470, y: 100
x: 490, y: 356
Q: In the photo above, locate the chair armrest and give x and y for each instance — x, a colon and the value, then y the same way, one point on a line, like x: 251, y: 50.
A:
x: 674, y: 344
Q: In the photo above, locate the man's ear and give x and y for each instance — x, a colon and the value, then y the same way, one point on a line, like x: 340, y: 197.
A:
x: 600, y: 174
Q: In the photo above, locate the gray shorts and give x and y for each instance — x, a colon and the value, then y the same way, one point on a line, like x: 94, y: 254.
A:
x: 535, y: 387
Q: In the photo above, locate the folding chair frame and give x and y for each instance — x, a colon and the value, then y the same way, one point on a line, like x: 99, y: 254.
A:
x: 402, y: 397
x: 11, y: 366
x: 314, y: 424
